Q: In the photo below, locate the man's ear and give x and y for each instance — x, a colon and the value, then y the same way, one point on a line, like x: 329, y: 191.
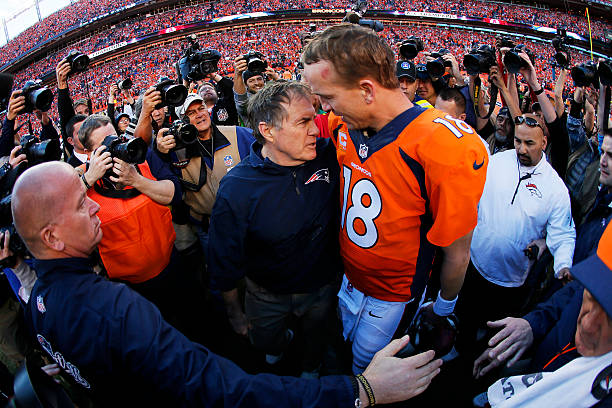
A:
x: 544, y: 142
x: 70, y: 140
x: 49, y: 238
x: 368, y: 90
x: 463, y: 116
x: 266, y: 131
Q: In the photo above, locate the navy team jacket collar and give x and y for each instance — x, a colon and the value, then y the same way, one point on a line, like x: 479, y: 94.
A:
x: 46, y: 267
x: 265, y: 164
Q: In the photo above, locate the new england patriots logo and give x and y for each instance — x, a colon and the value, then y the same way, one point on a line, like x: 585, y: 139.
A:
x: 319, y: 175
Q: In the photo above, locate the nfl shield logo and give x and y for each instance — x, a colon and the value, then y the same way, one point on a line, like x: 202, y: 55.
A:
x: 228, y: 160
x: 40, y: 304
x: 363, y: 150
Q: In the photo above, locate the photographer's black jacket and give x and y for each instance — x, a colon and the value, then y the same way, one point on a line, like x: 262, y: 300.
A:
x: 7, y: 139
x: 224, y: 112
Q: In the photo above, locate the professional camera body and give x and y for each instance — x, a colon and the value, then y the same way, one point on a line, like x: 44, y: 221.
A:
x: 172, y: 94
x: 437, y: 68
x: 586, y: 74
x: 513, y: 61
x: 184, y: 133
x: 560, y: 43
x: 255, y: 61
x: 504, y: 42
x: 16, y: 244
x: 410, y: 47
x: 197, y: 64
x: 78, y: 61
x: 479, y: 60
x: 36, y: 96
x: 133, y: 151
x: 38, y: 151
x: 125, y: 84
x: 604, y: 71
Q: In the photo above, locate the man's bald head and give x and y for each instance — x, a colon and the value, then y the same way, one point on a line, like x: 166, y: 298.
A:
x: 45, y: 200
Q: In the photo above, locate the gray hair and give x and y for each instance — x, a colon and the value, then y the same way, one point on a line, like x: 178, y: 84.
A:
x: 266, y: 105
x: 90, y: 124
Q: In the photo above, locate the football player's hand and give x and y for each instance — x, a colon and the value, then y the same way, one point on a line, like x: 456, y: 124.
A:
x: 442, y: 333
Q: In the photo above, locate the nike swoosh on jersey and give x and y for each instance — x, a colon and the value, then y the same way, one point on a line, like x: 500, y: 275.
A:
x: 477, y: 166
x: 373, y: 315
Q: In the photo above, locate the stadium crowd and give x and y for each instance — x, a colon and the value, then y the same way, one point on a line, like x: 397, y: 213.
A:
x: 343, y: 223
x: 281, y: 47
x: 74, y: 15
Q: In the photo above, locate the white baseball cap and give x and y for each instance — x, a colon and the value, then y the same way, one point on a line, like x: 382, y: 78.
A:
x: 191, y: 98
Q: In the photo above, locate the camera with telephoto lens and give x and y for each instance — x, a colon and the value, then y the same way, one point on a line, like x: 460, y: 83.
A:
x: 125, y: 84
x: 36, y: 96
x: 514, y: 62
x: 410, y: 47
x: 172, y: 94
x: 586, y: 74
x: 560, y: 43
x: 197, y: 64
x: 38, y: 151
x: 479, y: 60
x: 16, y: 244
x: 184, y: 133
x: 604, y: 71
x: 504, y: 42
x: 78, y: 61
x: 429, y: 331
x: 255, y: 61
x: 133, y: 151
x: 437, y: 67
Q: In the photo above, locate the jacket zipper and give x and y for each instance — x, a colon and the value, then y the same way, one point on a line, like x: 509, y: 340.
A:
x: 297, y: 190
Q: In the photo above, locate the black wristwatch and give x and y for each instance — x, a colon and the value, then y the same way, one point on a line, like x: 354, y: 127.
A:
x: 539, y: 91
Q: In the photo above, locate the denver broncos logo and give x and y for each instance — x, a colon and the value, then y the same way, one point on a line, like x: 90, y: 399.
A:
x: 533, y: 189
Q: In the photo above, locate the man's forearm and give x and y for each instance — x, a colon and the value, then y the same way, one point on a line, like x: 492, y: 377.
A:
x: 160, y: 191
x: 144, y: 129
x: 454, y: 265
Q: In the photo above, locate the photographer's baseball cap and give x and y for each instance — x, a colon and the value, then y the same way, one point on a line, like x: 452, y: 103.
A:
x: 595, y: 272
x: 405, y: 69
x: 191, y: 98
x: 246, y: 75
x: 421, y: 72
x: 121, y: 115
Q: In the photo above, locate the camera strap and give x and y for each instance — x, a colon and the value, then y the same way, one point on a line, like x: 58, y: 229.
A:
x: 476, y: 98
x: 606, y: 110
x: 107, y: 188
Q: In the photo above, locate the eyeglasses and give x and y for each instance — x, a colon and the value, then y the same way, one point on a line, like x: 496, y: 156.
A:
x: 531, y: 122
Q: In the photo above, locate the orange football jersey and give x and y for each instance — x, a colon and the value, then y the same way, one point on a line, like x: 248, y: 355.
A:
x: 411, y: 187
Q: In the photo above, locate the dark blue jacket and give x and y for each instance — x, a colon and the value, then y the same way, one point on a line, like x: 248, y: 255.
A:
x: 115, y: 342
x: 596, y: 221
x: 277, y: 225
x: 554, y: 326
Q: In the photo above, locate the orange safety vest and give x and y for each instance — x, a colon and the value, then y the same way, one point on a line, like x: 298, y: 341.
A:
x: 137, y: 235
